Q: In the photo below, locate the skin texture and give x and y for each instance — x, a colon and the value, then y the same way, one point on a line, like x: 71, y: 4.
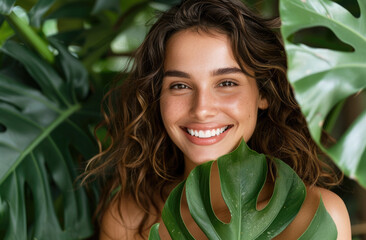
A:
x: 196, y: 94
x: 204, y: 89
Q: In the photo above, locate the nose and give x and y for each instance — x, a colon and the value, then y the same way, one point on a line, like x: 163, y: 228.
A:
x: 204, y: 105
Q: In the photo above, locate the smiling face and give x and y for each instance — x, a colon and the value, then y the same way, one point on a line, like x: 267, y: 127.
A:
x: 207, y: 103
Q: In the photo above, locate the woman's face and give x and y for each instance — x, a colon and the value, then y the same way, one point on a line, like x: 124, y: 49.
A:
x: 207, y: 103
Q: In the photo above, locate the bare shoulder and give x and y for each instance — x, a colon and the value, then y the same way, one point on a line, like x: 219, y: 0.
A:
x: 121, y: 220
x: 335, y: 207
x: 337, y: 210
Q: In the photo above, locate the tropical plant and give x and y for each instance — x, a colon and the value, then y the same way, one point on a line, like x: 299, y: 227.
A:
x: 53, y: 57
x: 43, y: 121
x: 56, y: 58
x: 39, y: 128
x: 325, y: 78
x: 242, y: 176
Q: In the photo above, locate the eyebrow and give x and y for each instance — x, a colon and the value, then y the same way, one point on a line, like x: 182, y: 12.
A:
x: 228, y: 70
x: 176, y: 73
x: 216, y: 72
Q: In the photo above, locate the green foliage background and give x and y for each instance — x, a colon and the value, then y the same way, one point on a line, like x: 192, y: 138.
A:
x: 56, y: 61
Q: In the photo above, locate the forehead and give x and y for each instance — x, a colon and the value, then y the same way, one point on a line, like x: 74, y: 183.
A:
x: 194, y: 49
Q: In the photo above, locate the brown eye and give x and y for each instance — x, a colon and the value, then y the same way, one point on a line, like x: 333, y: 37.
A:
x: 227, y: 83
x: 179, y: 86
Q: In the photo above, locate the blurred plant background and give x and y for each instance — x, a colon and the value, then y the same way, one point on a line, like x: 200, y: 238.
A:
x: 79, y: 46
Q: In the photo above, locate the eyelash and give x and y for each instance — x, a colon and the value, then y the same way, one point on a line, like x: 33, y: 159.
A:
x: 179, y: 86
x: 227, y: 83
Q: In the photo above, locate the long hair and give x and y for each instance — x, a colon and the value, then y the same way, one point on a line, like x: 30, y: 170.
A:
x: 141, y: 159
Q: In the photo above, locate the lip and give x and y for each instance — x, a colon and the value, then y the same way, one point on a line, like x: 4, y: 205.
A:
x: 205, y: 141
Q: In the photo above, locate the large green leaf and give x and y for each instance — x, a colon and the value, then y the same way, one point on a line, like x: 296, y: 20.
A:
x: 324, y: 78
x: 101, y: 5
x: 6, y: 6
x: 242, y: 176
x: 40, y: 137
x: 38, y: 10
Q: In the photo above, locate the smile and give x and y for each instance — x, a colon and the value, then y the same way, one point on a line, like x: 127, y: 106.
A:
x: 207, y: 133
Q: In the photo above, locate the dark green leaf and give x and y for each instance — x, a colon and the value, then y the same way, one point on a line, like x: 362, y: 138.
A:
x: 71, y: 10
x: 242, y: 176
x: 4, y: 216
x: 154, y: 234
x: 6, y: 6
x: 172, y: 217
x: 168, y: 2
x: 126, y: 5
x: 321, y: 227
x: 46, y: 77
x: 324, y: 78
x: 39, y: 142
x: 2, y: 19
x: 38, y: 10
x: 74, y: 72
x: 101, y: 5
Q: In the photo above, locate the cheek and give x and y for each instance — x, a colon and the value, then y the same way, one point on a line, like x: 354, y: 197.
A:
x: 242, y: 109
x: 232, y: 102
x: 170, y: 109
x: 164, y: 110
x: 241, y: 106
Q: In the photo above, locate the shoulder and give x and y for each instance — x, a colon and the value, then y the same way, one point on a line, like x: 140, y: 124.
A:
x: 333, y: 204
x: 337, y: 210
x: 121, y: 220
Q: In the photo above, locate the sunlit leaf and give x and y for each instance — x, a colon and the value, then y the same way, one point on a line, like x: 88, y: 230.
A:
x: 324, y: 78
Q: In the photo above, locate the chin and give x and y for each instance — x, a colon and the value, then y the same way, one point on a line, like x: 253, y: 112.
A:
x: 199, y: 159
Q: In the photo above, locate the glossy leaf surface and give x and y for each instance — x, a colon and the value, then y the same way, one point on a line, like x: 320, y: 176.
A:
x: 47, y: 110
x: 242, y: 175
x: 40, y: 138
x: 324, y: 78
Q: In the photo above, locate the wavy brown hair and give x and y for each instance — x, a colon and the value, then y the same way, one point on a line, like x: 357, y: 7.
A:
x: 141, y: 158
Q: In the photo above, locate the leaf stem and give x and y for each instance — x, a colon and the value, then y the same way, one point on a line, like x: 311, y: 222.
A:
x: 31, y: 37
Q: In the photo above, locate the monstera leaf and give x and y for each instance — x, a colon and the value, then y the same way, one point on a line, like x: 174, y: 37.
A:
x: 242, y: 175
x: 40, y: 134
x: 324, y: 78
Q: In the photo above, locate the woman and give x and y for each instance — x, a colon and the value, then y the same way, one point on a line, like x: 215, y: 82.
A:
x: 209, y: 73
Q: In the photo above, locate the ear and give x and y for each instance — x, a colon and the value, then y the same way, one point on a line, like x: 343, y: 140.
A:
x: 263, y: 103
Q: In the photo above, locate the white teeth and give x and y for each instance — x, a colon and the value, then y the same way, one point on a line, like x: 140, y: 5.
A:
x: 207, y: 133
x: 213, y: 132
